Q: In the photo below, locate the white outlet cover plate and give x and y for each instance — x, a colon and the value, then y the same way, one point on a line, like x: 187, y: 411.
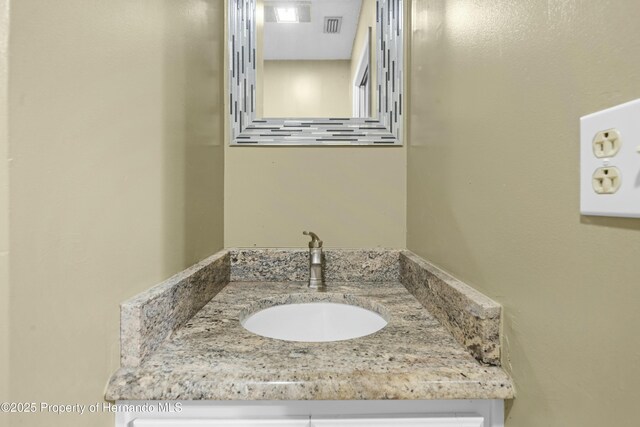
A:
x: 626, y: 201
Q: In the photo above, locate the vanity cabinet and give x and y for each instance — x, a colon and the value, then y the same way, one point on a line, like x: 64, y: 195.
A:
x: 338, y: 422
x: 416, y: 413
x: 219, y: 423
x: 444, y: 421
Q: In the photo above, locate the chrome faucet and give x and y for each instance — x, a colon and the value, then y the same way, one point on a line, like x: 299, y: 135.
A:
x: 315, y: 261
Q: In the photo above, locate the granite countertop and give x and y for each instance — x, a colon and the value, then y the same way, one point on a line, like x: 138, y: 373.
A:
x: 212, y: 357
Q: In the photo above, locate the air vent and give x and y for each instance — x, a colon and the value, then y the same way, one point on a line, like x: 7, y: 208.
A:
x: 332, y: 24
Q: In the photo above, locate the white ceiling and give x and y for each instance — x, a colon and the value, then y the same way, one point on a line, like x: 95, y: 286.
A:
x: 308, y: 41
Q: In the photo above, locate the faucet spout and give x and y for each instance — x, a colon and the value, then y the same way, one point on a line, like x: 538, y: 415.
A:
x: 315, y: 240
x: 316, y: 280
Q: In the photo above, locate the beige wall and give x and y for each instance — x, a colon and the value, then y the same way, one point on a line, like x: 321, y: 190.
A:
x: 4, y: 211
x: 366, y: 20
x: 116, y: 179
x: 350, y: 196
x: 498, y: 89
x: 306, y: 88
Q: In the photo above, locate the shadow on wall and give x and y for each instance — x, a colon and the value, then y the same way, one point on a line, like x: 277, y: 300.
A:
x: 193, y: 164
x: 611, y: 222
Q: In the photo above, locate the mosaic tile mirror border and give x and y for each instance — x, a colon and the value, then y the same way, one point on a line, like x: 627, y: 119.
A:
x: 248, y: 130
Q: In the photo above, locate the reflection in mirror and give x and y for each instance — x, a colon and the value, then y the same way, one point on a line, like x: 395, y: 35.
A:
x: 315, y: 72
x: 317, y: 59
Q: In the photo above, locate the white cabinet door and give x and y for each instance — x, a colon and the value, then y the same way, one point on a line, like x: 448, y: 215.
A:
x: 220, y: 423
x: 450, y: 421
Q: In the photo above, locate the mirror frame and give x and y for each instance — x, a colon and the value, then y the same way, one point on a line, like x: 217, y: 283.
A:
x: 247, y: 130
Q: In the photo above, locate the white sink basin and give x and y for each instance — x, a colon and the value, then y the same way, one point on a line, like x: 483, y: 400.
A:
x: 314, y: 322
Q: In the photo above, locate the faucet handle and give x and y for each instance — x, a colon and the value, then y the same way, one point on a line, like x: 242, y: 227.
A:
x: 315, y: 240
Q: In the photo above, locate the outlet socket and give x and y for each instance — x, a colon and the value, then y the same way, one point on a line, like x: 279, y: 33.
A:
x: 609, y: 161
x: 606, y: 143
x: 606, y: 180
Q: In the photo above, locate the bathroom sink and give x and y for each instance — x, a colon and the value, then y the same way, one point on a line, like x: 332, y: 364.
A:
x: 320, y: 321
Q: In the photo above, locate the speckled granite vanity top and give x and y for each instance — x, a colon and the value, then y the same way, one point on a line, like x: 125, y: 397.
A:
x: 213, y: 357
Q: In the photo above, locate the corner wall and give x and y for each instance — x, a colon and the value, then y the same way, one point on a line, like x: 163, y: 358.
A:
x: 498, y: 88
x: 4, y: 210
x: 116, y: 122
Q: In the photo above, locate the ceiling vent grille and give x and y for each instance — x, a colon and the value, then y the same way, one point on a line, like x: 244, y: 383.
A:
x: 332, y: 24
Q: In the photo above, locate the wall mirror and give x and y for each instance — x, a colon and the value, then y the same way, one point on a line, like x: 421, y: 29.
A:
x: 315, y: 72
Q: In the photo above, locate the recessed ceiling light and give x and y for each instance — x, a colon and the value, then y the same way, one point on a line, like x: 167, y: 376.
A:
x: 286, y: 14
x: 287, y: 11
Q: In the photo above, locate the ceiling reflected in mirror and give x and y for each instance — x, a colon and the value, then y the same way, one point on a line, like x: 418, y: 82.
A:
x: 325, y: 31
x: 308, y: 50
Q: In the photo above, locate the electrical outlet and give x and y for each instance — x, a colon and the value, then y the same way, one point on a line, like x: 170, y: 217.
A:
x: 606, y: 143
x: 606, y: 180
x: 610, y: 161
